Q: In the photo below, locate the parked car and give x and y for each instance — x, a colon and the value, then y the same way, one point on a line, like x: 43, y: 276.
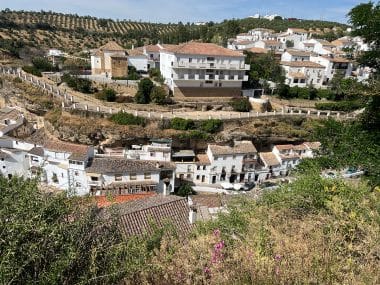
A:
x: 249, y: 186
x: 267, y: 185
x: 227, y: 186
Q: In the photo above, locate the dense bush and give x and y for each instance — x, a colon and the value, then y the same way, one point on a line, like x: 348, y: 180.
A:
x: 78, y: 84
x: 107, y: 94
x: 240, y: 104
x: 127, y: 119
x: 345, y: 106
x: 211, y: 126
x: 182, y: 124
x: 158, y: 95
x: 143, y: 93
x: 43, y: 64
x: 32, y: 70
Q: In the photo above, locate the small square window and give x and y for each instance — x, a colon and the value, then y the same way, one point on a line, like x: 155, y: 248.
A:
x: 147, y: 175
x: 204, y: 167
x: 132, y: 176
x: 118, y: 177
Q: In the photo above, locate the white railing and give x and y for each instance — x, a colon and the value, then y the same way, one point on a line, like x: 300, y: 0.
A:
x: 192, y: 65
x: 69, y: 103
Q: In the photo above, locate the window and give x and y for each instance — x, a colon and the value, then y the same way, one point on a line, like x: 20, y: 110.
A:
x: 2, y: 159
x: 295, y: 80
x: 204, y: 167
x: 190, y: 59
x: 4, y: 167
x: 208, y: 82
x: 224, y: 157
x: 78, y: 184
x: 234, y: 157
x: 34, y: 158
x: 189, y: 168
x: 76, y: 173
x: 62, y: 175
x: 94, y: 178
x: 197, y: 177
x: 216, y: 157
x: 198, y: 167
x: 132, y: 176
x: 302, y: 80
x: 188, y: 176
x: 118, y: 177
x: 152, y: 154
x: 147, y: 175
x: 210, y: 58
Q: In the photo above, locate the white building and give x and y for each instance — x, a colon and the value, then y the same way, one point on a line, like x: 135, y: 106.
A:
x: 124, y: 176
x: 227, y: 164
x: 320, y: 46
x: 272, y: 45
x: 303, y: 73
x: 10, y: 119
x: 332, y: 66
x: 203, y: 70
x: 62, y: 165
x: 259, y: 34
x: 158, y: 149
x: 294, y: 35
x: 240, y: 45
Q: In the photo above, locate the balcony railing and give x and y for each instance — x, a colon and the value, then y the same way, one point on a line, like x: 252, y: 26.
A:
x: 190, y: 65
x: 211, y: 77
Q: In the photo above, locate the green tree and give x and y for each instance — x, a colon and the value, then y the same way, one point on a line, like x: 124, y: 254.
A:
x: 143, y: 93
x: 241, y: 104
x: 185, y: 190
x: 289, y: 44
x: 158, y: 95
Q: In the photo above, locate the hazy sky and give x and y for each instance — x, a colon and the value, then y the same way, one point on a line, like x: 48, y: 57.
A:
x: 190, y: 11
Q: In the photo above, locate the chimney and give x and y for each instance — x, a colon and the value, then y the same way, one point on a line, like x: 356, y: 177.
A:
x: 192, y: 215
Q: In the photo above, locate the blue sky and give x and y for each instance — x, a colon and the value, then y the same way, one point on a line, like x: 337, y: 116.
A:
x: 190, y: 11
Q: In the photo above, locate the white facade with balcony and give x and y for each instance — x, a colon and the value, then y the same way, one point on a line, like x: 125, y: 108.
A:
x: 202, y: 71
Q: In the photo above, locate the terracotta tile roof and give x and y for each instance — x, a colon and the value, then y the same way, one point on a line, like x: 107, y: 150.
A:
x: 242, y: 147
x: 116, y: 165
x: 152, y: 48
x: 209, y: 200
x: 272, y: 42
x: 324, y: 42
x: 257, y: 50
x: 284, y: 146
x: 138, y: 216
x: 135, y: 52
x: 105, y: 201
x: 289, y: 156
x: 302, y: 64
x: 269, y: 158
x: 39, y: 151
x: 300, y: 147
x: 202, y: 159
x: 195, y: 48
x: 60, y: 146
x: 337, y: 59
x: 297, y: 75
x: 313, y: 145
x: 298, y: 52
x: 246, y: 42
x: 111, y: 46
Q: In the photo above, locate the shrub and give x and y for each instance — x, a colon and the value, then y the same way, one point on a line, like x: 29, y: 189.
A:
x: 32, y: 70
x: 181, y: 124
x: 185, y: 190
x: 107, y: 94
x: 240, y: 104
x: 127, y: 119
x: 211, y: 126
x: 78, y: 84
x: 345, y: 106
x: 158, y: 95
x: 43, y: 64
x: 195, y: 134
x: 144, y: 89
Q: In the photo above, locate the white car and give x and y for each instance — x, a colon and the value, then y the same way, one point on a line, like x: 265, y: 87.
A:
x: 227, y: 186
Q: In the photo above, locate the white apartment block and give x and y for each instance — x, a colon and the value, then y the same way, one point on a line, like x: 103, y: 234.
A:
x: 303, y: 73
x: 271, y: 45
x: 259, y: 34
x: 294, y: 35
x: 203, y: 70
x: 332, y: 66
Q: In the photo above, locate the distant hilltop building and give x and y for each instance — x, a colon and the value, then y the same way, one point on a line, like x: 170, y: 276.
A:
x: 268, y: 17
x: 200, y: 23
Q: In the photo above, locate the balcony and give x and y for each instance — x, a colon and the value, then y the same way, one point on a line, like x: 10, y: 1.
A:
x: 191, y: 65
x: 210, y: 77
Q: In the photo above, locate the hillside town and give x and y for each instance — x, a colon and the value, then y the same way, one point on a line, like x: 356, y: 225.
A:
x: 244, y: 150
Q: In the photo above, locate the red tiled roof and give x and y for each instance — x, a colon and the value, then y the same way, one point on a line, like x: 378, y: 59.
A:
x: 138, y: 216
x: 202, y: 159
x: 284, y: 146
x: 302, y: 64
x: 112, y: 46
x: 257, y: 50
x: 105, y: 201
x: 269, y: 158
x: 298, y: 52
x: 60, y: 146
x: 195, y: 48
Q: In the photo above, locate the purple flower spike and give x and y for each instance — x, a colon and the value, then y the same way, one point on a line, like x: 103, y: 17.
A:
x: 277, y: 257
x: 217, y: 232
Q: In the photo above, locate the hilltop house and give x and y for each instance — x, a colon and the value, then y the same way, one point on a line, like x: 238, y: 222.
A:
x: 110, y: 61
x: 303, y: 73
x: 272, y: 45
x: 198, y: 69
